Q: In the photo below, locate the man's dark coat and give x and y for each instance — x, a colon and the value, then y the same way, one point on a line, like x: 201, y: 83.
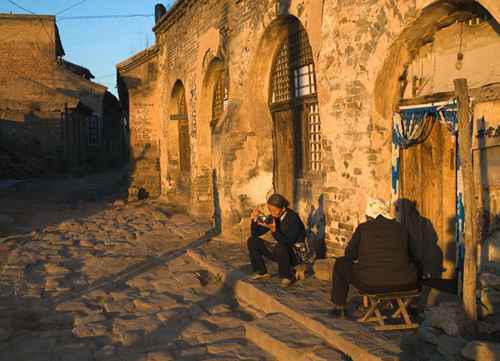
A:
x: 381, y: 249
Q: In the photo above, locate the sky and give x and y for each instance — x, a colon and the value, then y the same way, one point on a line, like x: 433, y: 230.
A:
x: 97, y: 44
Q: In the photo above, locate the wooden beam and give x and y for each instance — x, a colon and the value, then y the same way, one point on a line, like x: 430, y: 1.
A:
x: 465, y: 148
x: 485, y: 93
x: 178, y: 117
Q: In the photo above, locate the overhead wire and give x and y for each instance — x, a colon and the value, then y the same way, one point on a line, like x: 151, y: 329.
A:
x: 21, y: 7
x: 71, y: 7
x: 94, y: 17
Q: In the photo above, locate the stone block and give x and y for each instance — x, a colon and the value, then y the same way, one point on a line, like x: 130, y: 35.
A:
x: 90, y: 330
x: 160, y: 356
x: 482, y: 351
x: 490, y: 301
x: 450, y: 346
x: 448, y: 317
x: 428, y: 333
x: 489, y: 280
x: 96, y: 317
x: 323, y: 269
x: 493, y: 249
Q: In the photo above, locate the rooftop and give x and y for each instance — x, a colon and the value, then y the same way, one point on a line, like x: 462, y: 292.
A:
x: 138, y: 58
x: 27, y: 17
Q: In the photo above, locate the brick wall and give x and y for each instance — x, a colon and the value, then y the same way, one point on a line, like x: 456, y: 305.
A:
x: 140, y: 80
x: 36, y: 87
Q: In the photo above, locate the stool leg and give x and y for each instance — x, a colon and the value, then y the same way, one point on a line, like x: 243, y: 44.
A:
x: 365, y: 301
x: 369, y: 313
x: 404, y: 312
x: 406, y: 301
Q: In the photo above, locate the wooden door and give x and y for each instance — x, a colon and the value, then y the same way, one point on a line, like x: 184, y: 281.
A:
x: 184, y: 157
x: 428, y: 177
x: 284, y: 154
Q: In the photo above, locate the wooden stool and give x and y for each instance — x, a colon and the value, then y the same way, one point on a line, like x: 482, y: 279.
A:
x: 403, y: 299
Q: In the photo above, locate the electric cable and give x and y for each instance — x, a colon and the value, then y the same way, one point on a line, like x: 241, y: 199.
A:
x: 95, y: 17
x: 21, y: 7
x: 71, y: 7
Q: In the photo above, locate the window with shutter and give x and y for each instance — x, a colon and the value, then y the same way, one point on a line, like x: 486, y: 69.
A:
x: 293, y: 86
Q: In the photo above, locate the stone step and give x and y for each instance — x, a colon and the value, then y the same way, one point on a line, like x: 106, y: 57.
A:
x: 323, y: 269
x: 285, y: 340
x: 353, y: 339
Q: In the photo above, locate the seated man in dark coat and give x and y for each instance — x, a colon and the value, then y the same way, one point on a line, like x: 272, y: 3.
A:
x: 287, y: 229
x: 377, y: 259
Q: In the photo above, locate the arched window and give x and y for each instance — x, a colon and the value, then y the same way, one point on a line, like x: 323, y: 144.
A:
x: 183, y: 128
x: 293, y: 86
x: 220, y: 98
x: 184, y: 147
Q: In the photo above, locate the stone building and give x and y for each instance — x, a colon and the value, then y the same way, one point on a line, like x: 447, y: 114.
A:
x: 328, y: 102
x: 51, y: 107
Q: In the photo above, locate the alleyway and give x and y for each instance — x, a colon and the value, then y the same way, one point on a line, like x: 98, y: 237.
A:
x: 104, y: 280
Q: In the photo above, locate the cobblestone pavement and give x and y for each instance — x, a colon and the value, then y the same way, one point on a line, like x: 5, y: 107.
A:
x: 115, y: 286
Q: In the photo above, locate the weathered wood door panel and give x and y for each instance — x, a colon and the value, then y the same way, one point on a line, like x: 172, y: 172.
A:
x: 284, y: 154
x: 184, y: 157
x: 428, y: 177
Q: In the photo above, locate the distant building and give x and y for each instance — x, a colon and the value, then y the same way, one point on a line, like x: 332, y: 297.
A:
x: 49, y: 107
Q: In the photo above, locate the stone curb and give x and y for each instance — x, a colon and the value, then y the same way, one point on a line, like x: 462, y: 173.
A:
x: 348, y: 342
x: 285, y: 340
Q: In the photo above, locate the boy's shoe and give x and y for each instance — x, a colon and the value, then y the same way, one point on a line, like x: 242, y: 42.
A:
x: 285, y: 282
x: 260, y: 276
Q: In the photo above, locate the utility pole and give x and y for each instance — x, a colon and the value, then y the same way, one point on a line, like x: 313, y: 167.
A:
x: 465, y: 149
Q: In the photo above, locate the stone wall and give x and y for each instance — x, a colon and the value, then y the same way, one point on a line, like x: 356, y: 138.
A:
x: 140, y: 77
x: 359, y: 49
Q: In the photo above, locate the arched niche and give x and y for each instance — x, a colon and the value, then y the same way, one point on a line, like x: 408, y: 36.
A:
x: 213, y: 104
x: 449, y: 40
x: 179, y: 146
x: 285, y: 110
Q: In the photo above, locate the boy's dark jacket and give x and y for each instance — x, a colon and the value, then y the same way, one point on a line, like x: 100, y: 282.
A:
x: 289, y: 231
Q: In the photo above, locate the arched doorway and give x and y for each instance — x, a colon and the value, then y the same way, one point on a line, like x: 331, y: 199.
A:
x: 293, y: 103
x: 449, y: 41
x: 220, y: 98
x: 219, y: 107
x: 179, y: 162
x: 213, y: 103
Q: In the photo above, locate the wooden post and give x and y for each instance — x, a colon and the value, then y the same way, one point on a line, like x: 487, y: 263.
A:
x: 465, y: 148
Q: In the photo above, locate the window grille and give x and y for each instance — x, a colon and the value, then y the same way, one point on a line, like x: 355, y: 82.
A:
x: 300, y: 49
x: 281, y: 88
x: 314, y: 137
x: 294, y: 81
x: 220, y: 98
x: 294, y: 60
x: 93, y: 130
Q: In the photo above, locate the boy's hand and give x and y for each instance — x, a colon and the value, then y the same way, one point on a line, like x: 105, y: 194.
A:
x: 271, y: 226
x: 255, y: 214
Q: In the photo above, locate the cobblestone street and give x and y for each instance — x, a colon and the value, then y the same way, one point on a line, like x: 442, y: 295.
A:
x: 116, y: 285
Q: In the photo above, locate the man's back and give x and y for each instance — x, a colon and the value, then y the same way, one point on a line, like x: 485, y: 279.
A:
x: 383, y: 254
